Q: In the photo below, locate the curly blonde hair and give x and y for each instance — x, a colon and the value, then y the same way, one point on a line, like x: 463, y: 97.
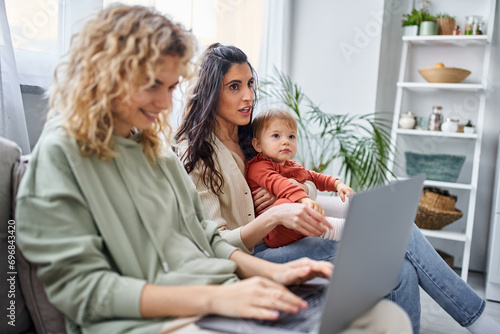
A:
x: 112, y: 57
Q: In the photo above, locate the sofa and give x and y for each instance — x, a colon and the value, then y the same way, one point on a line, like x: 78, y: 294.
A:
x: 22, y: 295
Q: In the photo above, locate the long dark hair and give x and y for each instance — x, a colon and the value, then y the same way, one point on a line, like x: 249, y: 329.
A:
x: 199, y: 121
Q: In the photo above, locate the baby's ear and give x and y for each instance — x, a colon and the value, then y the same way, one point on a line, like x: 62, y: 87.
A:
x: 256, y: 145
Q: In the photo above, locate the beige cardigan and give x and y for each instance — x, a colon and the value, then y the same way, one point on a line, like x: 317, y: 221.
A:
x: 233, y: 208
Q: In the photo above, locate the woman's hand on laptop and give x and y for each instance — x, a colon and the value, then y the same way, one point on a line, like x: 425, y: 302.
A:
x: 302, y: 270
x: 256, y: 297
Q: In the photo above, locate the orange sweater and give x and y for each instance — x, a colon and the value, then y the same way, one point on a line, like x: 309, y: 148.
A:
x: 265, y: 173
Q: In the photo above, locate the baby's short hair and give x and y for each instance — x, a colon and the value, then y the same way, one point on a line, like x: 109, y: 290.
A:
x: 264, y: 118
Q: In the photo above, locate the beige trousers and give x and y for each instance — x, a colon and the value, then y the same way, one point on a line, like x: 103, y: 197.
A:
x: 384, y: 318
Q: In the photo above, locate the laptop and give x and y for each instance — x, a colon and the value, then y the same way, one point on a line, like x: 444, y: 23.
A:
x: 368, y: 263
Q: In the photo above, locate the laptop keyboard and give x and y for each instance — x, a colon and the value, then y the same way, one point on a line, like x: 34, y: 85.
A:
x: 306, y: 319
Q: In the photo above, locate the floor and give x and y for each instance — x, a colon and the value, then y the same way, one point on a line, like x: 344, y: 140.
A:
x: 435, y: 320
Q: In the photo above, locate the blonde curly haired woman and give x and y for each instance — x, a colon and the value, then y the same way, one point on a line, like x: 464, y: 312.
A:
x: 108, y: 213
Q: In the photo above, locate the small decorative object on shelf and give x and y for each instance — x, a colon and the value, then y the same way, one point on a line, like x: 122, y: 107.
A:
x: 428, y: 28
x: 450, y: 125
x: 435, y: 119
x: 410, y: 30
x: 473, y: 25
x: 457, y: 31
x: 423, y: 123
x: 443, y: 74
x: 415, y: 18
x: 407, y: 121
x: 437, y: 167
x: 446, y: 24
x: 469, y: 127
x: 436, y: 209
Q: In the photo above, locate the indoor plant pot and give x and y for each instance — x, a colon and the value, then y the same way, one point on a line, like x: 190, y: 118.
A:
x: 415, y: 18
x: 446, y: 25
x: 469, y: 127
x: 410, y: 30
x: 428, y: 28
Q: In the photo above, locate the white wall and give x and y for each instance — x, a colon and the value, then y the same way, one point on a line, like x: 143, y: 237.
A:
x: 344, y: 63
x: 335, y: 55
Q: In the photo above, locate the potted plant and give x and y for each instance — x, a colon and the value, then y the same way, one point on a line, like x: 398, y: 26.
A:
x: 428, y: 26
x: 410, y: 23
x: 415, y: 18
x: 360, y: 144
x: 469, y: 127
x: 446, y: 23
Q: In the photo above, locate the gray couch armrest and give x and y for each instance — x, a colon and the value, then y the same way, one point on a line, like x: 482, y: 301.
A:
x: 14, y: 312
x: 34, y: 313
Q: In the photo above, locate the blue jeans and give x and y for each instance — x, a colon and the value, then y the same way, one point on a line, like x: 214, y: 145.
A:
x: 422, y: 266
x: 312, y: 247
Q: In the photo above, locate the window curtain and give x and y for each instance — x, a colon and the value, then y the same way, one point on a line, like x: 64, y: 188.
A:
x: 275, y: 45
x: 12, y: 119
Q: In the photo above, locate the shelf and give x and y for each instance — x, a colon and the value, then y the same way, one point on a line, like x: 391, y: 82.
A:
x: 451, y: 185
x: 440, y: 184
x: 450, y: 86
x: 457, y: 236
x: 428, y: 133
x: 447, y: 40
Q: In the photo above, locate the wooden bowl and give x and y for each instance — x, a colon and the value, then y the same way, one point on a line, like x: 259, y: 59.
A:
x: 444, y: 74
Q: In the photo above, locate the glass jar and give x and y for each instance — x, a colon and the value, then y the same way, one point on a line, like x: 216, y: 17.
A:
x: 477, y: 26
x: 435, y: 119
x: 473, y: 25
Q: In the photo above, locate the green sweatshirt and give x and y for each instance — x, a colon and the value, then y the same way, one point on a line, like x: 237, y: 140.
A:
x: 101, y: 229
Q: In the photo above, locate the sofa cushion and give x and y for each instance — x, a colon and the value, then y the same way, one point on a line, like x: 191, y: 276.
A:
x: 46, y: 318
x: 43, y: 316
x: 12, y: 301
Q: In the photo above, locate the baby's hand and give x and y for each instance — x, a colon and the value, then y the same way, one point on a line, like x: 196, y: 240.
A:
x: 312, y: 204
x: 344, y: 190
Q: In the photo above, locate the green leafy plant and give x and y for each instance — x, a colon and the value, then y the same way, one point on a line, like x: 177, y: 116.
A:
x: 416, y: 17
x: 469, y: 124
x: 444, y: 16
x: 360, y: 143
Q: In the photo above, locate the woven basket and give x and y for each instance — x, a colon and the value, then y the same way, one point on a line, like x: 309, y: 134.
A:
x: 436, y: 209
x: 449, y: 259
x: 446, y: 25
x: 438, y: 167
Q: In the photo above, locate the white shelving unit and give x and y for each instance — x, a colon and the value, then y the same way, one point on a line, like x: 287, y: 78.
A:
x: 409, y: 84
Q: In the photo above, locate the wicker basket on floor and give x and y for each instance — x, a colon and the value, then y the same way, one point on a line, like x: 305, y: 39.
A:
x: 436, y: 209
